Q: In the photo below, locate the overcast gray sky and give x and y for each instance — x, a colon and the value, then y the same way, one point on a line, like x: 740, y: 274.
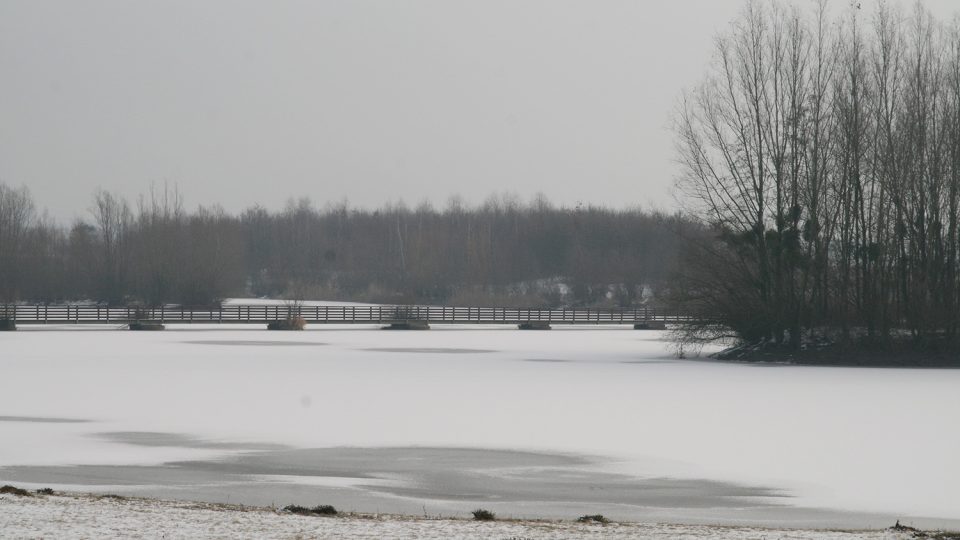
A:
x: 243, y: 102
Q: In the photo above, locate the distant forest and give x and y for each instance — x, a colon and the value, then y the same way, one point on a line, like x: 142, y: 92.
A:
x: 502, y: 252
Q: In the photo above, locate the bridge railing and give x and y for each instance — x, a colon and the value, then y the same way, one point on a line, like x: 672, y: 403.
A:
x: 334, y: 314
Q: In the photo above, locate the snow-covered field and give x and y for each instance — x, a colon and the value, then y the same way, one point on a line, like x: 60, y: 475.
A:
x: 90, y: 517
x: 881, y: 443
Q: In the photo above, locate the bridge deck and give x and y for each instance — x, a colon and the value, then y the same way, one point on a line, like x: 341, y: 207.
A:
x: 261, y: 314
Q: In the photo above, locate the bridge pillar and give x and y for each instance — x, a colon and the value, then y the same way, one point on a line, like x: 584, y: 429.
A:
x: 145, y: 326
x: 534, y: 325
x: 650, y: 325
x: 408, y: 325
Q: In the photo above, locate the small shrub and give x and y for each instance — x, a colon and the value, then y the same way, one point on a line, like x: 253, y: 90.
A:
x: 291, y: 323
x: 296, y: 509
x: 113, y: 496
x: 10, y: 490
x: 904, y: 528
x: 45, y: 491
x: 297, y: 323
x: 321, y: 510
x: 595, y: 518
x: 324, y: 510
x: 483, y: 515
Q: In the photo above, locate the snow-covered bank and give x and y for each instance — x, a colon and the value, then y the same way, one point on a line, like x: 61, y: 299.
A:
x: 902, y: 351
x: 90, y: 516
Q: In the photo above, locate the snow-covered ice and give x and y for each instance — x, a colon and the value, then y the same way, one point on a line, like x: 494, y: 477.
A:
x: 877, y: 441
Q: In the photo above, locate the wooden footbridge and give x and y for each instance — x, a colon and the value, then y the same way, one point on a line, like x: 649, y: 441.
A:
x: 337, y: 314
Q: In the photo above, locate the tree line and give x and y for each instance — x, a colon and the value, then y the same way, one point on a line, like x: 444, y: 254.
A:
x: 502, y: 252
x: 823, y: 150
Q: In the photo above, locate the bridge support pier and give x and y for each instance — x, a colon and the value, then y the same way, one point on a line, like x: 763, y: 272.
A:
x: 650, y: 325
x: 287, y: 324
x: 534, y: 325
x: 408, y: 325
x: 145, y: 326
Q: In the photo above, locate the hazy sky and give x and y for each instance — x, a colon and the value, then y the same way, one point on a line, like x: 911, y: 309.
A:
x: 243, y: 102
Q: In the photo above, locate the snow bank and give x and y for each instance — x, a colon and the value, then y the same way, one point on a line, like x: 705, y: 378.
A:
x: 92, y: 517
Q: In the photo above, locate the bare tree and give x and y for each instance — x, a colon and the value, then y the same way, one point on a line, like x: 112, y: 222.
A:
x: 17, y: 214
x: 825, y: 161
x: 112, y: 215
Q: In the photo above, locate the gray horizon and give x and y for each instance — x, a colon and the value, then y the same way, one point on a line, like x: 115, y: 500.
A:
x: 372, y: 102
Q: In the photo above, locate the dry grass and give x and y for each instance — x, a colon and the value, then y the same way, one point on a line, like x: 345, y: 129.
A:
x: 291, y: 323
x: 11, y: 490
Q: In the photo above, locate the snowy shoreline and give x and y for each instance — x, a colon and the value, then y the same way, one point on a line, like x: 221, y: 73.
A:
x: 70, y: 515
x: 901, y: 351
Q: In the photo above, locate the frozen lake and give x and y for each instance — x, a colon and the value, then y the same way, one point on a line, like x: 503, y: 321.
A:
x: 538, y: 424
